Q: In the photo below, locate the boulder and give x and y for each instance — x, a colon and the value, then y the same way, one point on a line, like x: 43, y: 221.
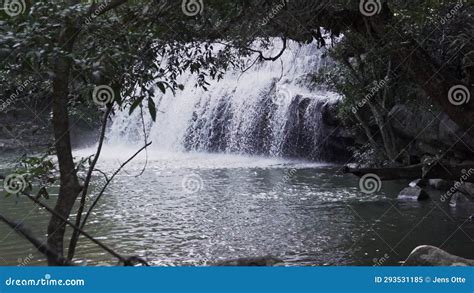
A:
x: 329, y: 113
x: 426, y: 149
x: 427, y: 134
x: 414, y: 123
x: 413, y: 193
x: 459, y: 198
x: 440, y: 184
x: 419, y: 183
x: 427, y: 255
x: 264, y: 261
x: 467, y: 188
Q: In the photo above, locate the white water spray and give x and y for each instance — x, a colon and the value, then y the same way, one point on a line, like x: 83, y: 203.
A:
x: 271, y: 109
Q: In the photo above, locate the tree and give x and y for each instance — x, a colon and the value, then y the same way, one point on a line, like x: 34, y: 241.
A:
x: 71, y: 42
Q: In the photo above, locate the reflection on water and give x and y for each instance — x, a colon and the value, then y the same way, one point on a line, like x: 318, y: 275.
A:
x: 196, y: 209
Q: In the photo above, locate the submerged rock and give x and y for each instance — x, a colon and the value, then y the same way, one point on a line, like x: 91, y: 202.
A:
x: 264, y: 261
x: 413, y: 193
x: 427, y: 255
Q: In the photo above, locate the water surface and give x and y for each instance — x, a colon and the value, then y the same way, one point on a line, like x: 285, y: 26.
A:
x: 196, y: 209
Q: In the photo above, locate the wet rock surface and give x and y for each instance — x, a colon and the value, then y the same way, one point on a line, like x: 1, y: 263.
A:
x: 427, y: 255
x: 413, y: 193
x: 430, y: 133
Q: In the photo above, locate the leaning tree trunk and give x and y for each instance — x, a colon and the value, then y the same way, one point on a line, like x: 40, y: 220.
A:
x: 69, y: 183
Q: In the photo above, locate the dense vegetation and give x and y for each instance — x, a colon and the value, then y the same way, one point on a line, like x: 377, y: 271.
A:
x: 62, y: 53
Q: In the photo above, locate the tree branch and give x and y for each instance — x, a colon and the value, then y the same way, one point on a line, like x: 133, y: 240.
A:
x: 85, y: 188
x: 39, y: 245
x: 270, y: 58
x: 76, y: 228
x: 108, y: 182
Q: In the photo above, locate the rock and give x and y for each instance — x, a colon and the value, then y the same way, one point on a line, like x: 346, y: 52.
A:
x: 459, y: 198
x: 427, y: 255
x: 414, y: 123
x: 265, y: 261
x: 440, y: 184
x: 329, y: 114
x: 425, y: 148
x: 413, y: 193
x: 427, y: 134
x: 314, y: 132
x: 467, y: 188
x: 419, y: 182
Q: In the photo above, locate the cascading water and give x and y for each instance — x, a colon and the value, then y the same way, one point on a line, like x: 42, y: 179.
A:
x: 270, y: 109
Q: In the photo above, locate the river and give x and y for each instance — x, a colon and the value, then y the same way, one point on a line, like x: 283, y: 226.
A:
x: 198, y: 208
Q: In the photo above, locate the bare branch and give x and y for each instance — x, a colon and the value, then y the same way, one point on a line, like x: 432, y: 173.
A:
x: 41, y: 246
x: 270, y: 58
x: 108, y: 182
x: 85, y: 188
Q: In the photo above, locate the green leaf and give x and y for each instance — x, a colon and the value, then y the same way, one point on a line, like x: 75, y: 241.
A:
x: 152, y: 109
x: 43, y: 193
x: 162, y: 87
x: 135, y: 104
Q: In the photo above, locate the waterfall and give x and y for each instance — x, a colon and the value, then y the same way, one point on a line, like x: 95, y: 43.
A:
x: 272, y: 109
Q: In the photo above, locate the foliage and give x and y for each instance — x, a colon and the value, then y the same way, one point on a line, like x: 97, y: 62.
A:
x: 38, y: 171
x: 438, y: 27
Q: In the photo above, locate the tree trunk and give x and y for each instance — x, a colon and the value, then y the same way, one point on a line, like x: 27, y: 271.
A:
x: 69, y: 183
x: 444, y: 170
x: 385, y: 130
